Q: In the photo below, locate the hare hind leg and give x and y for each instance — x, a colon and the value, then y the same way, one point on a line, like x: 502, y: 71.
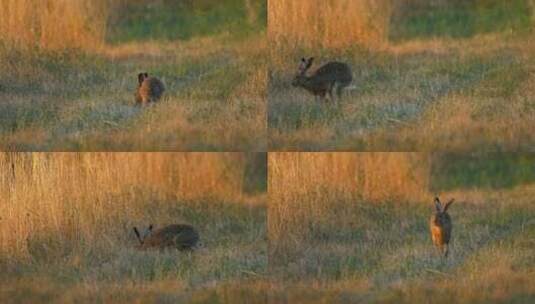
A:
x: 340, y: 89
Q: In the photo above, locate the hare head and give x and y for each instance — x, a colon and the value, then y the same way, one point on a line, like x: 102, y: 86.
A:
x: 141, y: 77
x: 303, y: 67
x: 441, y: 216
x: 141, y: 237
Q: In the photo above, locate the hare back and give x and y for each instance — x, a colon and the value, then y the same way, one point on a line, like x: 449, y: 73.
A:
x: 334, y: 71
x: 178, y: 236
x: 151, y: 88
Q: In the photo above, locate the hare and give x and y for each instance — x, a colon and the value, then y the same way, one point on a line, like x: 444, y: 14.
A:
x: 325, y: 79
x: 181, y: 237
x: 149, y: 89
x: 441, y: 226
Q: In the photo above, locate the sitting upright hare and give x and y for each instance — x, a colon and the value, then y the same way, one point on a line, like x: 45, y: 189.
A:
x: 441, y: 226
x: 149, y: 89
x: 181, y: 237
x: 325, y: 79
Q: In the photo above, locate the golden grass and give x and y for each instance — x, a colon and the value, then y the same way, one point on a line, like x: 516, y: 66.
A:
x: 54, y: 24
x: 335, y: 24
x: 78, y: 197
x: 41, y: 290
x: 305, y: 188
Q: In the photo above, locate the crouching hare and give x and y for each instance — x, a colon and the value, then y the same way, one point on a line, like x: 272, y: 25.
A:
x: 149, y: 89
x: 331, y: 76
x: 181, y: 237
x: 441, y: 226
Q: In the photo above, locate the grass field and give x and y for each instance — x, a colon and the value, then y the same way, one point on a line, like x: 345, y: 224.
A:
x: 334, y: 244
x: 74, y: 90
x: 439, y: 78
x: 66, y: 227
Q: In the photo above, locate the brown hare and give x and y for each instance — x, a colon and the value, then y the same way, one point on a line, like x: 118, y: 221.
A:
x: 149, y: 89
x: 324, y: 80
x: 441, y: 226
x: 181, y: 237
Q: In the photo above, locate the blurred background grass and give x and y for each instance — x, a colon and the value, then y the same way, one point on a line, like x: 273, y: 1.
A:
x: 185, y: 19
x: 85, y: 25
x: 458, y: 18
x: 482, y: 171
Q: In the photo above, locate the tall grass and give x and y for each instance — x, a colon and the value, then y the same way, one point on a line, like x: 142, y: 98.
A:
x: 185, y: 20
x: 54, y: 24
x: 76, y: 199
x: 335, y: 24
x: 305, y: 189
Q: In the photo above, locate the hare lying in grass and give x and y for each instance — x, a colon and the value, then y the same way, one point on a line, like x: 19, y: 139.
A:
x: 325, y: 79
x: 149, y: 89
x: 181, y: 237
x: 441, y: 226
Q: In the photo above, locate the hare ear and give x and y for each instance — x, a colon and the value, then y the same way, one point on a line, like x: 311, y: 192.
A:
x: 150, y: 228
x: 303, y: 60
x: 438, y: 205
x: 140, y: 78
x: 309, y: 62
x: 146, y: 75
x: 448, y: 204
x: 138, y: 235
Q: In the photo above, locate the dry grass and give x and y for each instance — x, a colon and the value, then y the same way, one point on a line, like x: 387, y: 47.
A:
x: 54, y: 24
x: 215, y: 98
x: 306, y: 188
x: 331, y: 248
x: 67, y: 218
x: 56, y: 193
x: 335, y: 24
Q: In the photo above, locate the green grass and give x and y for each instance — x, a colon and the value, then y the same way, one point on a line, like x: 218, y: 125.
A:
x: 185, y: 20
x: 490, y: 171
x: 461, y: 19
